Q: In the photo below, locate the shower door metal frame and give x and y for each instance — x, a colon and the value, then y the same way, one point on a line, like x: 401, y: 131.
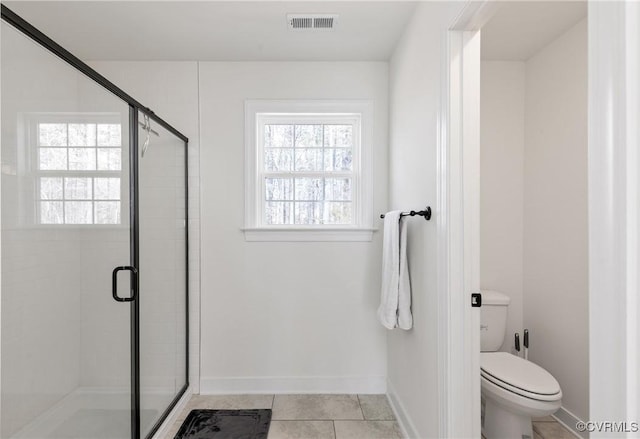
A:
x: 135, y: 106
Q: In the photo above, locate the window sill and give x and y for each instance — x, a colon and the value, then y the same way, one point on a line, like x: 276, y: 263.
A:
x: 305, y: 234
x: 71, y: 227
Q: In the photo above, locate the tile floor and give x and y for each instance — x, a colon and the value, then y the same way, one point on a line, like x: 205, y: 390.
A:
x: 310, y: 416
x: 549, y: 428
x: 332, y: 416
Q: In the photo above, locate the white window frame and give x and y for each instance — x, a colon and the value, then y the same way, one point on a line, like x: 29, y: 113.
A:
x: 257, y: 112
x: 33, y: 122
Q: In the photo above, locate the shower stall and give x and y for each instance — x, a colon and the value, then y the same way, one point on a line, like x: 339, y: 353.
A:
x: 94, y: 250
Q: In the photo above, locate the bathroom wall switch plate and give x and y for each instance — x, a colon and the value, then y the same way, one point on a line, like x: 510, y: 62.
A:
x: 476, y: 300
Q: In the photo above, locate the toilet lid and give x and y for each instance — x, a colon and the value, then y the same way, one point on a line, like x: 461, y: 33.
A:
x: 518, y: 375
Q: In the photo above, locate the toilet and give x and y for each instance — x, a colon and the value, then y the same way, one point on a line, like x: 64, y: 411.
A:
x: 513, y: 389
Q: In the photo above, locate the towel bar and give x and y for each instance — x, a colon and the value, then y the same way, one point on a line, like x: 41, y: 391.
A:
x: 425, y: 213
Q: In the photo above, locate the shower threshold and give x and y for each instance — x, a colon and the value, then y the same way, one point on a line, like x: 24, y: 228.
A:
x: 94, y: 413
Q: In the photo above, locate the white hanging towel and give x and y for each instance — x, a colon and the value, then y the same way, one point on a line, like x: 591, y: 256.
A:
x: 395, y: 301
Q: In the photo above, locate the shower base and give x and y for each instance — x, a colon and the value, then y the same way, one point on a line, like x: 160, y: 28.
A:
x: 94, y: 413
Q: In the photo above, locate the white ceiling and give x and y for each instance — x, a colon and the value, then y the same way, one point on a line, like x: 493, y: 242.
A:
x: 519, y: 29
x: 217, y: 30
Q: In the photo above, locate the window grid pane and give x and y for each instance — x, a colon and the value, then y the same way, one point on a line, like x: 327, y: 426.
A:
x: 52, y: 159
x: 278, y: 136
x: 82, y: 159
x: 78, y: 188
x: 278, y: 159
x: 338, y: 136
x: 78, y: 212
x: 51, y: 188
x: 109, y: 159
x: 109, y: 135
x: 307, y: 136
x: 107, y: 212
x: 278, y: 213
x: 52, y: 134
x: 82, y: 134
x: 51, y: 212
x: 106, y: 188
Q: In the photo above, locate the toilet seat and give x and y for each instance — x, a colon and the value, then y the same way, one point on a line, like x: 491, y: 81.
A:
x: 519, y: 376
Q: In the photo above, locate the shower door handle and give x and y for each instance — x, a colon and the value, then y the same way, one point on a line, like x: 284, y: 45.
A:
x: 134, y: 284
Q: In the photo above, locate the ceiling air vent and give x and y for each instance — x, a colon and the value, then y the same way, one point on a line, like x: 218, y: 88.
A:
x: 311, y: 21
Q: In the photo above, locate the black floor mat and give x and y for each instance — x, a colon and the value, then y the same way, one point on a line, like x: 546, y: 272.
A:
x: 226, y: 424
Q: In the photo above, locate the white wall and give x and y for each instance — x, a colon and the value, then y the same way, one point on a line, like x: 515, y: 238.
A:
x: 415, y: 85
x: 285, y: 316
x: 555, y: 215
x: 501, y: 185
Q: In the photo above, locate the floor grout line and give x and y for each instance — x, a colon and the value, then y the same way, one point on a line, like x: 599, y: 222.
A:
x: 360, y: 405
x: 335, y: 433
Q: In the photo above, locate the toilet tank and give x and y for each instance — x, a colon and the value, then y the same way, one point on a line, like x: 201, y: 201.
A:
x: 493, y: 320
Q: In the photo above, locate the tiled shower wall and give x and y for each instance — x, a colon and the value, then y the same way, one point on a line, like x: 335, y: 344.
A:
x: 33, y: 263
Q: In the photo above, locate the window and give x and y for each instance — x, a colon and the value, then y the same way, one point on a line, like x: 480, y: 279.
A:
x: 308, y: 171
x: 78, y: 167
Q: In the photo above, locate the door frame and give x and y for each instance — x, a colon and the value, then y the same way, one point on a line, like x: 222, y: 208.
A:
x: 458, y: 225
x: 614, y: 218
x: 614, y: 213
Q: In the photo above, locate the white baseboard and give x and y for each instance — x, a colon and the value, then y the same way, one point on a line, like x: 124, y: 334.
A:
x: 171, y: 419
x: 406, y: 425
x: 569, y: 420
x: 279, y: 385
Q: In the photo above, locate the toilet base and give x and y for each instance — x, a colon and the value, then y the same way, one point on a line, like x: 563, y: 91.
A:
x: 500, y: 423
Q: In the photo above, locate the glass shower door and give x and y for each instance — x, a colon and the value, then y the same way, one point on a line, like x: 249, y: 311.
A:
x: 163, y: 271
x: 66, y: 343
x: 94, y: 250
